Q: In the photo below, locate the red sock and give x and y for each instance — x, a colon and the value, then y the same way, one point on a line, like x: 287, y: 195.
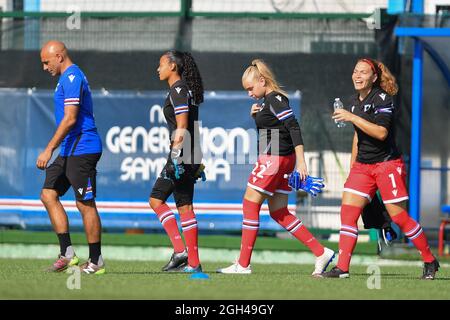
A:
x: 414, y: 232
x: 250, y: 226
x: 348, y: 235
x: 190, y: 232
x: 168, y: 221
x: 292, y: 224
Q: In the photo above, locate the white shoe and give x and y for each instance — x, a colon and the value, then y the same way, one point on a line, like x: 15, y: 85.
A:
x: 323, y: 261
x: 92, y: 268
x: 236, y: 268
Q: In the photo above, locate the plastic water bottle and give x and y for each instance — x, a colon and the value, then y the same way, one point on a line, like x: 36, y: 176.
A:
x: 338, y: 105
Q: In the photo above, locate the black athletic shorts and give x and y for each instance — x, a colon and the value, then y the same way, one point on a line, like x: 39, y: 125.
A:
x: 182, y: 189
x: 76, y: 171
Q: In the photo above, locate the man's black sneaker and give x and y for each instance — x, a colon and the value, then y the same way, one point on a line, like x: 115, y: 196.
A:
x: 176, y: 261
x: 429, y: 269
x: 335, y: 273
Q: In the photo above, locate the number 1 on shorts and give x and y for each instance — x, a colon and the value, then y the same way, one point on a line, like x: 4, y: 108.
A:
x: 391, y: 175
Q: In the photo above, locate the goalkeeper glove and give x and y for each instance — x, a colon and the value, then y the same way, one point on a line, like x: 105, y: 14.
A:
x: 311, y: 185
x: 200, y: 174
x: 178, y: 168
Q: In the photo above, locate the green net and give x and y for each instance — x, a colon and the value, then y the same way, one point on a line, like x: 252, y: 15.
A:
x: 207, y: 34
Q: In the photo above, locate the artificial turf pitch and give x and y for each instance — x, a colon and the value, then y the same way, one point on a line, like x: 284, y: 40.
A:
x: 25, y: 279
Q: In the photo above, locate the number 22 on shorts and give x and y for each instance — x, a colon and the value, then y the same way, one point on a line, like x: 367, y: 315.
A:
x: 262, y: 168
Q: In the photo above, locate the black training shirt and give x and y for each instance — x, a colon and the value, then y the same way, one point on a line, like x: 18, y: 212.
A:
x: 179, y: 101
x: 378, y: 108
x: 277, y: 119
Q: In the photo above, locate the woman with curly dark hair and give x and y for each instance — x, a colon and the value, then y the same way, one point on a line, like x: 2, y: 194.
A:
x: 184, y: 161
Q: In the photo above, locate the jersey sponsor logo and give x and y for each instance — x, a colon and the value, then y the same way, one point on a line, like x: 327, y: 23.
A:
x: 178, y: 89
x: 278, y: 97
x: 382, y: 96
x: 71, y: 77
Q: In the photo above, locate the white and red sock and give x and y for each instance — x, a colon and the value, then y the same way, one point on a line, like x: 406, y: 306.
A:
x: 292, y: 224
x: 348, y: 235
x: 250, y: 227
x: 190, y: 232
x: 414, y: 232
x: 168, y: 221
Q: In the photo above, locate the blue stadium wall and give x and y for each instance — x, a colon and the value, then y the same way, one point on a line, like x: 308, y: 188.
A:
x: 135, y: 145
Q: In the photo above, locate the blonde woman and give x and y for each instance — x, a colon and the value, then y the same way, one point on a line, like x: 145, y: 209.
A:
x: 280, y: 152
x: 376, y: 164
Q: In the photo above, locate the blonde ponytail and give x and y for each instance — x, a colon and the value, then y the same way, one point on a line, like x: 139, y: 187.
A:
x: 260, y: 69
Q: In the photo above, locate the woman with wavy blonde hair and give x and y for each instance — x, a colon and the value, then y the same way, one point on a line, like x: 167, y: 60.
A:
x: 376, y: 164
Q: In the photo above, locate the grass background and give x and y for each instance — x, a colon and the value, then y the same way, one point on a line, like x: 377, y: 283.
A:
x: 26, y: 279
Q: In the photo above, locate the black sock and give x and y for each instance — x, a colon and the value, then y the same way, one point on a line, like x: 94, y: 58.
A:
x: 94, y: 251
x: 64, y: 242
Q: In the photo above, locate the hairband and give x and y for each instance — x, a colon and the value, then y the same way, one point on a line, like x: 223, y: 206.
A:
x: 370, y: 64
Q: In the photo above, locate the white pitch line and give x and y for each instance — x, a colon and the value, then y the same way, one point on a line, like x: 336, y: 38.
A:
x: 125, y: 253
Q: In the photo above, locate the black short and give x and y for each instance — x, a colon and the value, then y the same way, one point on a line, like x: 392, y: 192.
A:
x: 76, y: 171
x: 182, y: 189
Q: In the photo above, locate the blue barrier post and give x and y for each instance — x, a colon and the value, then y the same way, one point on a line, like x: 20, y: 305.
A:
x: 416, y: 122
